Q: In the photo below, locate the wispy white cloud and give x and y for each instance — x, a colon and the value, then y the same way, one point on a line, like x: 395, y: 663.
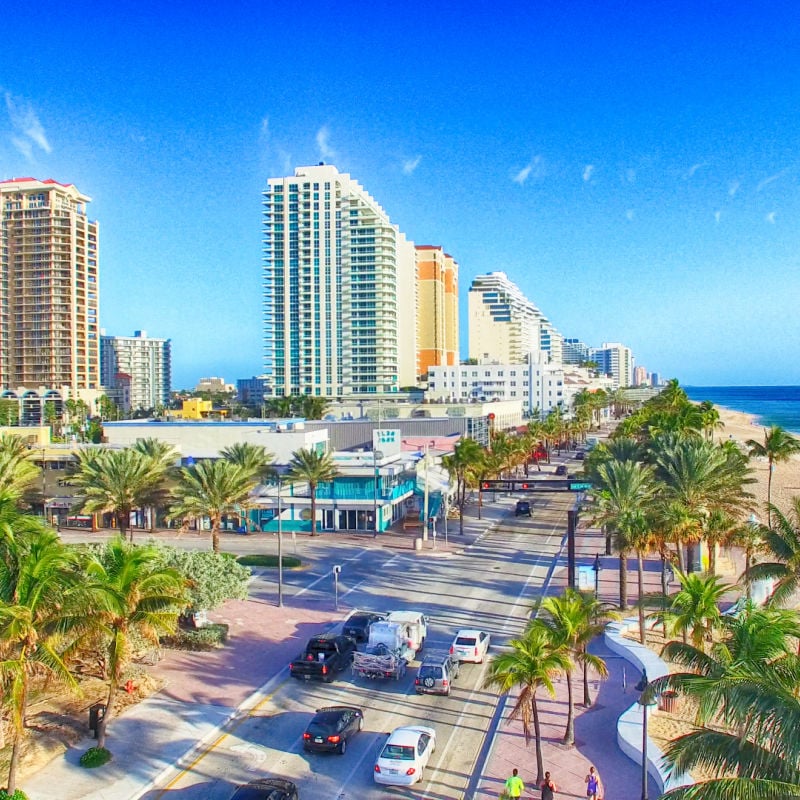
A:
x: 630, y: 215
x: 535, y: 170
x: 286, y: 157
x: 323, y: 143
x: 771, y: 217
x: 27, y: 129
x: 411, y: 164
x: 772, y: 178
x: 265, y: 127
x: 691, y: 171
x: 717, y: 216
x: 733, y: 187
x: 522, y: 175
x: 588, y: 171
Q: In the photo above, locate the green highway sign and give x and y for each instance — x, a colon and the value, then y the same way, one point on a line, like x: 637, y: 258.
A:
x: 580, y: 486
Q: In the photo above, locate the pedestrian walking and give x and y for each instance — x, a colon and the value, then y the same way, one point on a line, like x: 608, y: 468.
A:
x: 514, y: 785
x: 593, y: 785
x: 548, y: 787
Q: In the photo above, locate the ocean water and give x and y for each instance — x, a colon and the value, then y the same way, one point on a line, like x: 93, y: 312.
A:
x: 773, y: 405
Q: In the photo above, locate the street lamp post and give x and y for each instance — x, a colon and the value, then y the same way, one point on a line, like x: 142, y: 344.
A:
x: 643, y: 702
x: 376, y: 454
x: 280, y: 547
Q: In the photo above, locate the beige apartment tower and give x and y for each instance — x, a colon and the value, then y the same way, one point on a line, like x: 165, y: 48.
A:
x: 437, y: 308
x: 49, y: 292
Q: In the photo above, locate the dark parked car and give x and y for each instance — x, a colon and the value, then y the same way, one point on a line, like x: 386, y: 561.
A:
x: 356, y: 626
x: 580, y: 455
x: 331, y: 727
x: 267, y: 789
x: 523, y: 509
x: 561, y: 469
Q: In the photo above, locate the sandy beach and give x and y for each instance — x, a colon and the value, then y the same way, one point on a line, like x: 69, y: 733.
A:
x: 785, y: 477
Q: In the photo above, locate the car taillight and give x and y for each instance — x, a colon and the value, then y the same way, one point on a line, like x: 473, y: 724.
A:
x: 334, y: 739
x: 306, y: 735
x: 410, y: 771
x: 476, y: 651
x: 377, y: 768
x: 452, y: 649
x: 444, y: 684
x: 324, y: 670
x: 416, y: 681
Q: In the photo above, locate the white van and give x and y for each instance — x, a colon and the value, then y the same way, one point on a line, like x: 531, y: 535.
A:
x: 415, y: 627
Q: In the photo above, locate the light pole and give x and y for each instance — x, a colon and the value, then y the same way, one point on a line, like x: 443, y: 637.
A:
x: 643, y: 702
x: 376, y: 454
x: 280, y: 547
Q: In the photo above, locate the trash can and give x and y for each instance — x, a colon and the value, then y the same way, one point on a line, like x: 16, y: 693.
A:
x: 418, y: 545
x: 96, y: 714
x: 668, y: 701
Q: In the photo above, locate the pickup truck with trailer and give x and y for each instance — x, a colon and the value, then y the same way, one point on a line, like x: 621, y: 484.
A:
x: 387, y: 652
x: 324, y: 656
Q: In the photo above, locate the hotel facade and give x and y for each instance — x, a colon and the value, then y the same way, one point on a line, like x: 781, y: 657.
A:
x: 437, y: 308
x: 339, y: 286
x: 49, y: 295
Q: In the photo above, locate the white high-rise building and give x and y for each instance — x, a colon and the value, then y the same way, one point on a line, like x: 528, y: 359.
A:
x: 339, y: 289
x: 504, y: 326
x: 136, y: 370
x: 616, y: 360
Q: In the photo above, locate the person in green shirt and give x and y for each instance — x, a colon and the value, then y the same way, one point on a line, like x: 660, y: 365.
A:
x: 514, y: 785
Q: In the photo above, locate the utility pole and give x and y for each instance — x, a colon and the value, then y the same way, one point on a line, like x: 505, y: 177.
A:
x: 425, y: 502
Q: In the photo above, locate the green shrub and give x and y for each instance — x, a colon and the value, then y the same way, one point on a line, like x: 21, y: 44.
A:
x: 208, y: 638
x: 18, y: 795
x: 95, y: 757
x: 264, y: 560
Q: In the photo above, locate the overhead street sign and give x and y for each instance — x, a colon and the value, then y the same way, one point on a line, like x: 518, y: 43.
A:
x: 537, y: 485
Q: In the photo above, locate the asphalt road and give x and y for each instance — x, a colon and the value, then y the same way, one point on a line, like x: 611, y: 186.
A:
x: 489, y: 586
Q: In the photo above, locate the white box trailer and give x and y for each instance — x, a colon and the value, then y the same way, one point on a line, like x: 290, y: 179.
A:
x: 387, y: 652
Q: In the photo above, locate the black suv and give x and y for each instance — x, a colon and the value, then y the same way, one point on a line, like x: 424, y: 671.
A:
x: 267, y: 789
x: 331, y: 727
x: 356, y: 626
x: 523, y: 509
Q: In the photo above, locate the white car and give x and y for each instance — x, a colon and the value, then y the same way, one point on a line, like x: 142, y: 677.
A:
x: 470, y: 645
x: 405, y: 755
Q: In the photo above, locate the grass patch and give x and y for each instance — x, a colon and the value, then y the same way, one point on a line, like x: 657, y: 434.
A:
x: 211, y: 637
x: 95, y: 757
x: 264, y: 560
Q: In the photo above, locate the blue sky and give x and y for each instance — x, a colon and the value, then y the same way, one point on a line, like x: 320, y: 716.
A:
x: 634, y: 168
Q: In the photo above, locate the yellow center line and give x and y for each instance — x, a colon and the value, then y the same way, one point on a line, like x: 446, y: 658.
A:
x: 234, y: 726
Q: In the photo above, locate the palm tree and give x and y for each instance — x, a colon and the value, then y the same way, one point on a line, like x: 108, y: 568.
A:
x: 313, y: 468
x: 163, y: 458
x: 38, y: 585
x: 530, y: 664
x: 748, y: 709
x: 133, y: 593
x: 465, y: 456
x: 17, y: 471
x: 210, y: 489
x: 711, y: 419
x: 116, y: 481
x: 781, y: 544
x: 694, y: 610
x: 253, y: 458
x: 568, y: 623
x: 311, y: 407
x: 778, y: 446
x: 623, y: 490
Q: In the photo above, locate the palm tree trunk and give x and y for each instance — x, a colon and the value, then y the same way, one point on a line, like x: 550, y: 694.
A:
x: 712, y: 558
x: 664, y: 593
x: 216, y: 520
x: 121, y: 524
x: 112, y: 694
x: 537, y: 735
x: 587, y: 700
x: 480, y: 500
x: 769, y: 495
x: 679, y: 550
x: 16, y: 747
x: 623, y: 579
x: 569, y: 733
x: 640, y: 571
x: 313, y: 510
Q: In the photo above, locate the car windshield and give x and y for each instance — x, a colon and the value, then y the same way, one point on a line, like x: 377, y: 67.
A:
x: 398, y: 752
x: 430, y: 672
x: 466, y: 640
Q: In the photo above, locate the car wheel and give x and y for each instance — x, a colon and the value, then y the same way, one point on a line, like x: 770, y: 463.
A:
x: 343, y: 747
